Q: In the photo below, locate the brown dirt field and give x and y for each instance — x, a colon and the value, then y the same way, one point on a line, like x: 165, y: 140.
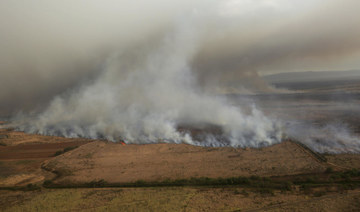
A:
x: 22, y: 172
x: 9, y: 137
x: 21, y: 156
x: 35, y: 151
x: 117, y: 163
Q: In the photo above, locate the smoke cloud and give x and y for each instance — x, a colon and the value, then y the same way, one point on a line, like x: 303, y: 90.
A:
x: 138, y: 71
x: 48, y: 48
x: 145, y: 93
x: 332, y: 138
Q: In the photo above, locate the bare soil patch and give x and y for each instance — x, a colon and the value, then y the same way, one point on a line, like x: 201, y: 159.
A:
x: 35, y: 151
x: 21, y: 156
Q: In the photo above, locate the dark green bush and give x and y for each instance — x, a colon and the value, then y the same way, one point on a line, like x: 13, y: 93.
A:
x: 70, y: 148
x: 245, y: 193
x: 266, y: 191
x: 32, y: 187
x: 329, y: 170
x: 58, y: 153
x: 97, y: 183
x: 65, y: 150
x: 47, y: 183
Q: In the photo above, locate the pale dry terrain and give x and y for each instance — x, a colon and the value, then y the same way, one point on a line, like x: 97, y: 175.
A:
x: 114, y: 162
x: 175, y: 199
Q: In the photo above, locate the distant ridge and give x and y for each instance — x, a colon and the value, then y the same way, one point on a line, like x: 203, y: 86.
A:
x: 312, y: 76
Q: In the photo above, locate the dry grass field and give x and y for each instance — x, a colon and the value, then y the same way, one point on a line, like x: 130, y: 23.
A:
x: 175, y: 199
x: 153, y: 162
x: 26, y: 165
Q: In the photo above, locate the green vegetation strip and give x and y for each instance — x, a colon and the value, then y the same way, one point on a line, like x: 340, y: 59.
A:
x: 342, y: 180
x: 348, y: 178
x: 253, y: 181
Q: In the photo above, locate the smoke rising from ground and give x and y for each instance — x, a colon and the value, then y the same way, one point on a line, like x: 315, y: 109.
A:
x: 332, y: 138
x: 138, y: 70
x: 145, y: 94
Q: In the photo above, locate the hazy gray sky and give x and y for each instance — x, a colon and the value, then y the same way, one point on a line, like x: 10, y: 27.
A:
x: 47, y: 47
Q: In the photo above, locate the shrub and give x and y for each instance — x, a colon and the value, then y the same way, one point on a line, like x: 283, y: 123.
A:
x: 287, y: 186
x: 58, y: 153
x: 319, y: 193
x: 70, y: 148
x: 236, y: 191
x: 32, y: 187
x: 329, y: 170
x: 310, y: 180
x: 65, y: 150
x: 140, y: 183
x: 255, y: 178
x: 47, y: 183
x: 97, y: 184
x: 305, y: 188
x: 245, y: 193
x: 266, y: 191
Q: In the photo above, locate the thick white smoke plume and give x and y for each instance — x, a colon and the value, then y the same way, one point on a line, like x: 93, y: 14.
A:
x: 143, y: 71
x: 145, y: 94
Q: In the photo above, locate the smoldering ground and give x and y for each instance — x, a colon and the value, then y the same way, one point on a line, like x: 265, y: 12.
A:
x: 138, y: 70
